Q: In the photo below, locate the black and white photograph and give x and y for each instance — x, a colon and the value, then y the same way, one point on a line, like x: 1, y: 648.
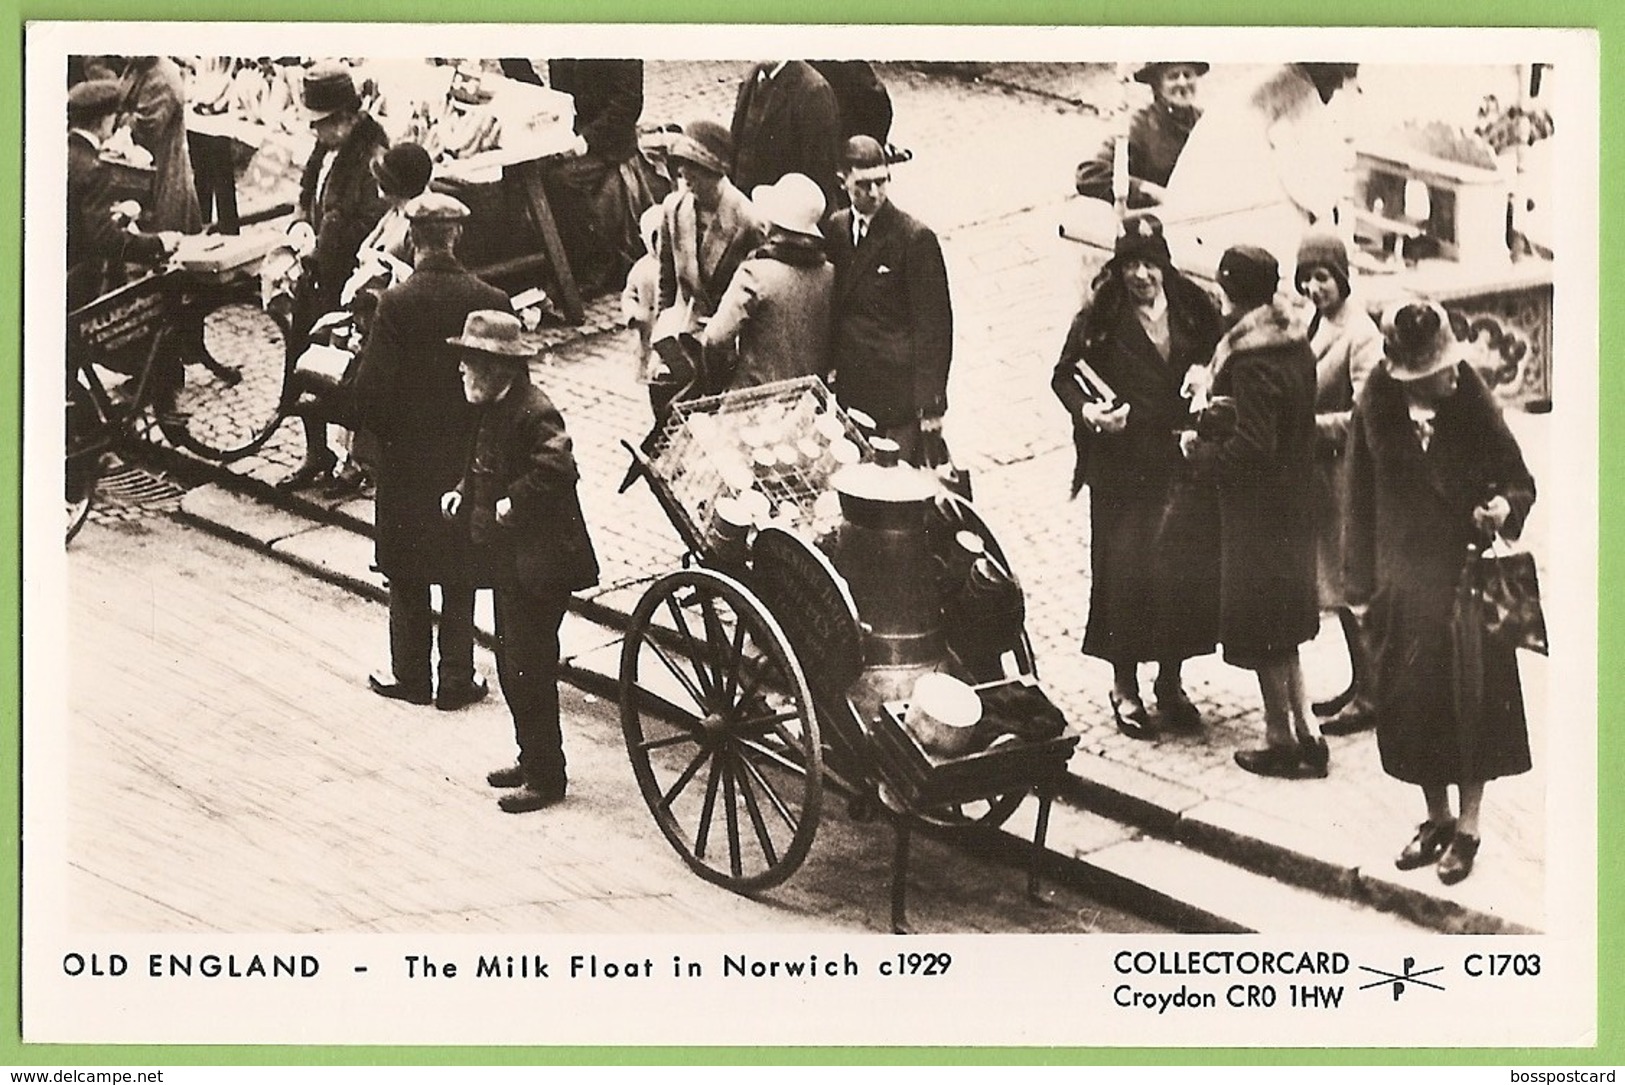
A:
x: 585, y: 546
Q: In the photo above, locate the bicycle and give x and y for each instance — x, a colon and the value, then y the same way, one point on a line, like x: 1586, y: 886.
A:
x: 164, y: 332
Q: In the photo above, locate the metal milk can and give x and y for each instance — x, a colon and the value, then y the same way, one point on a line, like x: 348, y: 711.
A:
x: 882, y: 551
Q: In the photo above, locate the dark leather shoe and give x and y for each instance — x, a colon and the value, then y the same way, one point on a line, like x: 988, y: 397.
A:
x: 530, y: 797
x: 452, y: 696
x: 1427, y: 845
x: 1457, y: 861
x: 1177, y: 711
x: 1316, y: 757
x: 1358, y: 715
x: 1132, y: 718
x: 505, y: 778
x: 1283, y: 762
x: 306, y: 474
x: 396, y: 691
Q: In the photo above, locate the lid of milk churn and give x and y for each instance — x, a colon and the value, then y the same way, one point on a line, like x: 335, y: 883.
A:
x: 885, y: 478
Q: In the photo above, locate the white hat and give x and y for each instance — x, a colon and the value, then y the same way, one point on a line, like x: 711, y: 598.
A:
x: 794, y: 202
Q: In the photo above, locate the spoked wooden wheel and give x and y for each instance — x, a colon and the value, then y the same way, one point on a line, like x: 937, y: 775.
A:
x: 721, y: 730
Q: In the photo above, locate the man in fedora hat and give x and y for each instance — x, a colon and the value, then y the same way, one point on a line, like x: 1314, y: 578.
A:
x: 774, y: 319
x: 893, y: 334
x: 1156, y: 134
x: 517, y: 506
x: 409, y: 396
x: 96, y: 238
x: 339, y: 201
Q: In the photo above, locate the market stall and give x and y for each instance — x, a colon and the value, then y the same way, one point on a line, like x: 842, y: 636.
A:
x: 491, y: 138
x: 1452, y: 207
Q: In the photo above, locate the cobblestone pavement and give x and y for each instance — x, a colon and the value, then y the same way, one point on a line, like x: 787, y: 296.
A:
x: 992, y: 173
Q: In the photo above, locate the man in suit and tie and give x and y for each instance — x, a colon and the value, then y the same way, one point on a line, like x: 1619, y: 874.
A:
x: 786, y: 120
x: 893, y: 321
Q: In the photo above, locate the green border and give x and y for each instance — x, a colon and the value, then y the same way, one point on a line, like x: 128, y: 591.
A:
x: 1606, y: 15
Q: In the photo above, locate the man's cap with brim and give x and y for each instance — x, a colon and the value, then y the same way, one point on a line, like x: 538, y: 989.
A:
x: 435, y: 207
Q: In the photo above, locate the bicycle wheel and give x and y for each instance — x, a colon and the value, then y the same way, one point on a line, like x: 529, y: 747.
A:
x: 80, y: 492
x: 234, y: 395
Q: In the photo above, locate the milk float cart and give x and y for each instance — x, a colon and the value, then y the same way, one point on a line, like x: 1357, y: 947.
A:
x: 823, y: 580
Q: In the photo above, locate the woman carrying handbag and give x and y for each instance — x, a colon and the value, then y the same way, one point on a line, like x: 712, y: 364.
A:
x: 1435, y: 471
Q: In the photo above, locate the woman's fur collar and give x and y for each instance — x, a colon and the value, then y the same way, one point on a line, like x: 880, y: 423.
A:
x: 1277, y: 323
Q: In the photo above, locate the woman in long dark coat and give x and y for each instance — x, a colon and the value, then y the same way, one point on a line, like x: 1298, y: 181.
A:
x: 1434, y: 469
x: 1264, y: 468
x: 1153, y: 554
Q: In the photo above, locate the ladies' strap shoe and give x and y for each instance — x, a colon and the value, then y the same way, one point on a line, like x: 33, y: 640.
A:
x: 1132, y: 718
x: 1427, y: 845
x: 1283, y: 762
x: 1457, y: 861
x: 1177, y: 711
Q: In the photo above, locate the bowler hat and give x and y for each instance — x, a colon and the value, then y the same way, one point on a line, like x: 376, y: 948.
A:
x: 92, y: 99
x: 493, y: 333
x: 862, y: 153
x: 1323, y: 250
x: 1419, y: 341
x: 403, y: 171
x: 706, y: 144
x: 1248, y: 275
x: 328, y: 89
x: 436, y: 207
x: 1149, y: 71
x: 794, y: 202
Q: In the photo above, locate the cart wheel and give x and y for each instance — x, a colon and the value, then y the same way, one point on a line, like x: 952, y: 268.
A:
x: 234, y: 395
x: 721, y: 730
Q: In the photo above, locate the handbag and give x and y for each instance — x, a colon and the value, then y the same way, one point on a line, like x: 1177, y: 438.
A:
x: 1505, y: 581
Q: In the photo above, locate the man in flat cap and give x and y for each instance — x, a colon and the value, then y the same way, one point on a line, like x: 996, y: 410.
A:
x: 97, y: 236
x: 518, y: 507
x: 409, y: 396
x: 1156, y: 134
x: 893, y: 320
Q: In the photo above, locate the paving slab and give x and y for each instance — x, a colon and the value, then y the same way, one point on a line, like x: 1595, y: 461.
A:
x: 232, y: 513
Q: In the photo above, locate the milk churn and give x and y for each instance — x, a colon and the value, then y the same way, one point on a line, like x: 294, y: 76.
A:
x: 882, y: 551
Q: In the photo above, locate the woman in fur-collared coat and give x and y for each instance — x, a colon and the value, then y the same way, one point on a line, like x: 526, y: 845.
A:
x: 1154, y: 591
x: 1263, y: 466
x: 1434, y: 468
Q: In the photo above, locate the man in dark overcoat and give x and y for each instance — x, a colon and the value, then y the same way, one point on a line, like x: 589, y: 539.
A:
x: 409, y: 395
x: 893, y: 335
x: 96, y: 240
x: 517, y: 504
x: 786, y: 120
x: 339, y: 199
x: 598, y: 196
